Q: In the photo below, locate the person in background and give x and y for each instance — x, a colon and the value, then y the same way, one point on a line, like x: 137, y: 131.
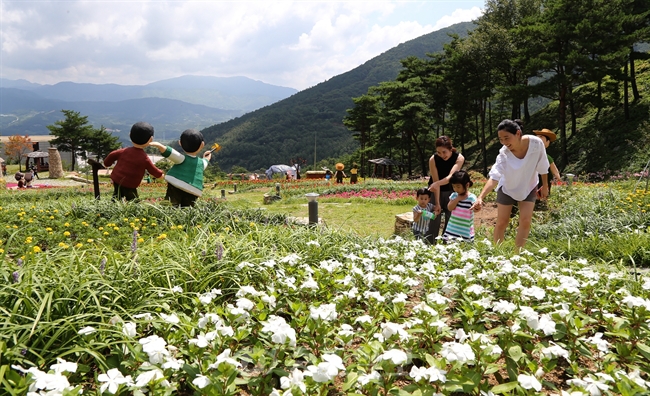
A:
x: 132, y: 162
x: 514, y: 174
x: 442, y: 165
x: 34, y: 171
x: 461, y: 222
x: 548, y: 137
x: 422, y: 213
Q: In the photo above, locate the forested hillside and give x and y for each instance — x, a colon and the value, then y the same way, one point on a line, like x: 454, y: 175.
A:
x: 289, y: 128
x: 583, y: 60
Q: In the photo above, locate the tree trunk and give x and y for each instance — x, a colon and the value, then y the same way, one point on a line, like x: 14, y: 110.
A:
x: 626, y: 99
x: 483, y: 145
x: 635, y: 90
x: 563, y: 105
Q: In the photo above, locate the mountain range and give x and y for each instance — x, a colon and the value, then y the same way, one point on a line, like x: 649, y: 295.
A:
x: 310, y: 123
x: 170, y: 105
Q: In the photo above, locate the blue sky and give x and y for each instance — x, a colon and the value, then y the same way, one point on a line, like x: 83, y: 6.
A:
x: 289, y: 43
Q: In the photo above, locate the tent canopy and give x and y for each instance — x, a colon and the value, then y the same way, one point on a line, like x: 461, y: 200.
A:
x: 280, y: 169
x: 37, y: 154
x: 385, y: 161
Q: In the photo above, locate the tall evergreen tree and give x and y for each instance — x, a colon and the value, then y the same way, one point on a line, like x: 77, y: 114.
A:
x: 71, y: 133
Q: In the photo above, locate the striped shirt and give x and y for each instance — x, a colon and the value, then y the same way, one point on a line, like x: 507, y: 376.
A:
x: 421, y: 226
x: 461, y: 221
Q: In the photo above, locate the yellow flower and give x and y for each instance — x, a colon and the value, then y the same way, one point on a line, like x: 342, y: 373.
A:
x: 180, y: 227
x: 90, y: 240
x: 162, y: 236
x: 51, y: 217
x: 14, y: 226
x: 37, y: 249
x: 67, y: 233
x: 78, y: 245
x: 48, y: 229
x: 63, y: 245
x: 116, y: 228
x: 67, y: 224
x: 173, y: 227
x: 30, y: 221
x: 105, y: 233
x: 252, y: 224
x: 101, y: 228
x: 140, y: 240
x: 2, y: 250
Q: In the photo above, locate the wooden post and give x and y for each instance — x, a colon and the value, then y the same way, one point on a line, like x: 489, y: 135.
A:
x: 96, y: 167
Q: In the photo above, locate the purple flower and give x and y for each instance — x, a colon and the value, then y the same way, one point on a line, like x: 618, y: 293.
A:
x: 19, y: 262
x: 102, y: 266
x: 16, y: 276
x: 219, y: 252
x: 134, y: 242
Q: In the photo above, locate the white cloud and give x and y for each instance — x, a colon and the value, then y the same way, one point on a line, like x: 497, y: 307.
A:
x: 291, y: 43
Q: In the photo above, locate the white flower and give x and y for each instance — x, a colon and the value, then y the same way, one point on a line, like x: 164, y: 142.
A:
x: 62, y: 366
x: 328, y: 369
x: 310, y: 283
x: 503, y: 307
x: 601, y: 344
x: 146, y: 377
x: 245, y: 304
x: 203, y: 340
x: 224, y: 357
x: 296, y: 378
x: 363, y: 319
x: 145, y: 316
x: 173, y: 363
x: 313, y: 243
x: 201, y: 381
x: 173, y: 319
x: 112, y: 380
x: 555, y: 351
x: 177, y: 289
x: 154, y: 346
x: 546, y: 324
x: 366, y: 378
x: 418, y: 373
x: 529, y: 382
x: 346, y: 330
x: 400, y: 298
x: 87, y: 330
x: 394, y: 355
x: 389, y: 329
x: 325, y: 312
x: 475, y: 289
x: 129, y: 329
x: 453, y: 351
x: 280, y: 329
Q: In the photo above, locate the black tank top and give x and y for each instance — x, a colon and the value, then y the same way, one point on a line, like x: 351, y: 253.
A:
x: 444, y: 168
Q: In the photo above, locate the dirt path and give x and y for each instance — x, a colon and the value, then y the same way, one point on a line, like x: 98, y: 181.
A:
x: 486, y: 217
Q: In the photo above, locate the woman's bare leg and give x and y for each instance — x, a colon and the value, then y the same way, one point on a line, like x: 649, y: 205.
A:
x: 525, y: 219
x: 503, y: 219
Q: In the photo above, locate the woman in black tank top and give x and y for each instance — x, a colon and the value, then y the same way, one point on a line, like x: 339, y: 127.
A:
x: 442, y: 165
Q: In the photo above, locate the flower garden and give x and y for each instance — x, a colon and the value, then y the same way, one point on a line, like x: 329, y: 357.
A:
x: 140, y: 298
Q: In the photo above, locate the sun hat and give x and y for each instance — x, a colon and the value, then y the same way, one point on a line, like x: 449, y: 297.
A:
x: 340, y: 166
x: 550, y: 135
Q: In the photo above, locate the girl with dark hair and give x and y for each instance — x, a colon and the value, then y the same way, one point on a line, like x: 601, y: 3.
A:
x: 515, y: 174
x: 461, y: 222
x: 442, y: 165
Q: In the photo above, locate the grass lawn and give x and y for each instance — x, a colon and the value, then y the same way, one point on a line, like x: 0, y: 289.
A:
x: 364, y: 219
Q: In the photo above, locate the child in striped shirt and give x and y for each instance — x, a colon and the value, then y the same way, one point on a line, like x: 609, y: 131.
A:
x: 422, y: 213
x: 461, y: 221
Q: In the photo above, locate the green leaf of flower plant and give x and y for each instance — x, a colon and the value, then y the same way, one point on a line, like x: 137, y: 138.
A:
x: 515, y: 353
x: 503, y: 388
x: 351, y: 381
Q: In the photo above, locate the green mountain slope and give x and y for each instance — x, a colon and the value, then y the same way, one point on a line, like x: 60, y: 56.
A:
x: 290, y: 128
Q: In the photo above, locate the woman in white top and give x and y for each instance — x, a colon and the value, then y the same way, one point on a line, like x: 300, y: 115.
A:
x: 515, y: 176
